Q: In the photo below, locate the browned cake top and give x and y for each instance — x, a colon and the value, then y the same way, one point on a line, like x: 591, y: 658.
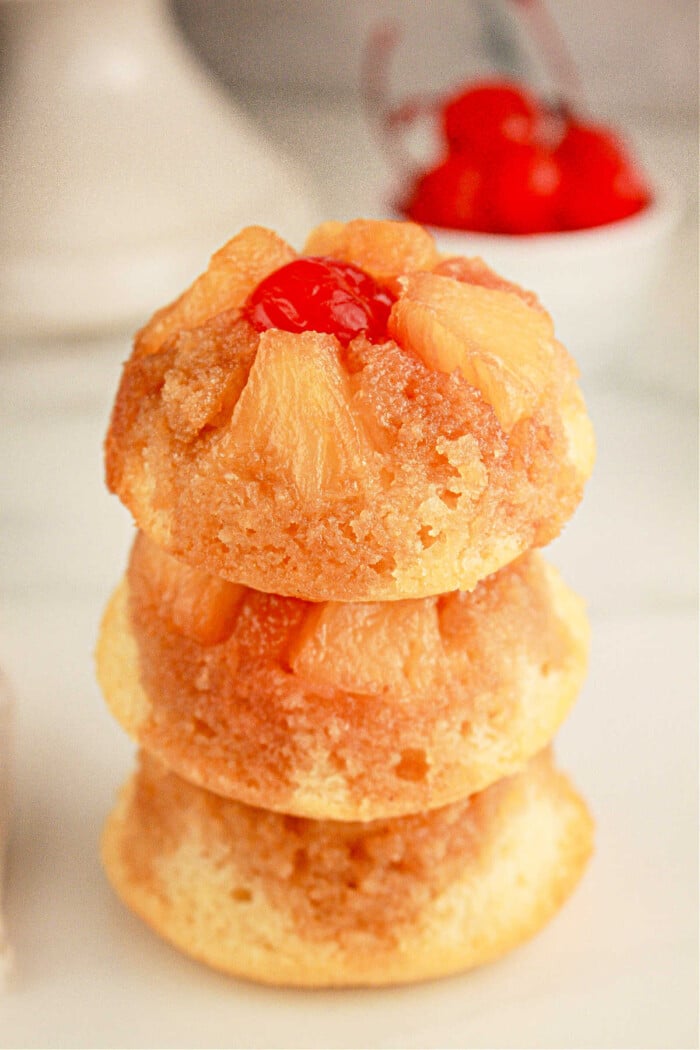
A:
x: 303, y: 465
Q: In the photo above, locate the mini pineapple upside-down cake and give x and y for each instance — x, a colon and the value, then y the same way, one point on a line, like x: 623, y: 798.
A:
x: 286, y: 900
x: 365, y: 421
x: 340, y: 711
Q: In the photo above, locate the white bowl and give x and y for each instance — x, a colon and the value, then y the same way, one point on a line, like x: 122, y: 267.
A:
x: 597, y: 284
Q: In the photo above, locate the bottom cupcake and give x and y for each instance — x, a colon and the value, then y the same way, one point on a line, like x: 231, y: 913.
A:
x: 292, y: 901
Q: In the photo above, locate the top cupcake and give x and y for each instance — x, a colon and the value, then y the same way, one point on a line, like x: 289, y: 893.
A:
x: 367, y: 421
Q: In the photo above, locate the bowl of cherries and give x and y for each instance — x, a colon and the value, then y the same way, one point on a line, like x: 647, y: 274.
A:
x: 551, y: 200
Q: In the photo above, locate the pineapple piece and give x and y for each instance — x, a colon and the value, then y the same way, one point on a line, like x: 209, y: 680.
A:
x: 233, y: 272
x: 197, y: 605
x: 502, y: 346
x: 475, y: 271
x: 369, y: 648
x: 384, y: 249
x: 293, y: 422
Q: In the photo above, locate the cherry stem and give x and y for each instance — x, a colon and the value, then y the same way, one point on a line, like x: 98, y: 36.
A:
x: 552, y: 45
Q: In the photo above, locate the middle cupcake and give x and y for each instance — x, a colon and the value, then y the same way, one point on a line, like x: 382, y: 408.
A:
x: 336, y: 711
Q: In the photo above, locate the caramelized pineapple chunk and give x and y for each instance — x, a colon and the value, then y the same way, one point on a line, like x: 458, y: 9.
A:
x: 197, y: 605
x: 293, y: 422
x: 234, y: 271
x: 475, y: 271
x: 381, y: 248
x: 369, y: 649
x: 502, y: 346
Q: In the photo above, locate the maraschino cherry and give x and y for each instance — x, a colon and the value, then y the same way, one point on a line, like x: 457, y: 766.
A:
x: 509, y: 162
x: 318, y: 294
x: 525, y: 190
x: 484, y: 116
x: 451, y: 194
x: 600, y: 184
x: 517, y: 166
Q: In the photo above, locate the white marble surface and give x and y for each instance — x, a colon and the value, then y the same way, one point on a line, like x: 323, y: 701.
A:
x: 617, y: 968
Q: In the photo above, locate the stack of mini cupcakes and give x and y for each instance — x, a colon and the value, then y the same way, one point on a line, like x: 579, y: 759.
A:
x: 341, y: 657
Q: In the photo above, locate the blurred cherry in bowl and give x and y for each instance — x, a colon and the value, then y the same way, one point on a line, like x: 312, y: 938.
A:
x: 554, y: 201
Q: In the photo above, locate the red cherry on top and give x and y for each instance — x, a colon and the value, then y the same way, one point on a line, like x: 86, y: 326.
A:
x: 450, y: 195
x: 481, y: 118
x: 599, y: 181
x: 316, y: 294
